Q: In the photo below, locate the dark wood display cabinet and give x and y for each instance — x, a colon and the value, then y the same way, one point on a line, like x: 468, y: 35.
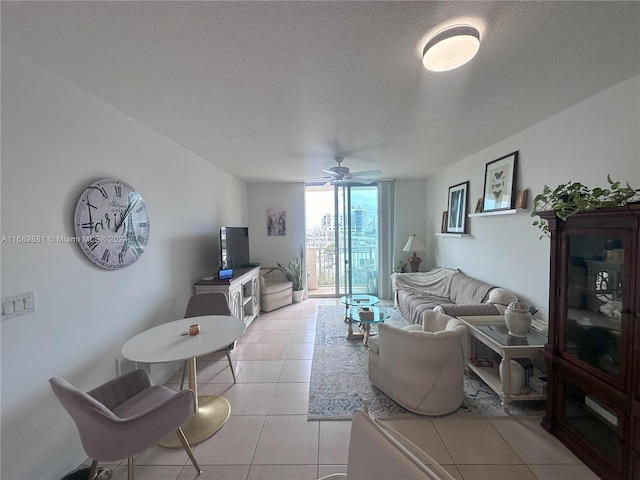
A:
x: 593, y: 352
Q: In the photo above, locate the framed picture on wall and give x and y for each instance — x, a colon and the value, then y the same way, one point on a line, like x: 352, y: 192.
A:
x: 457, y: 211
x: 500, y: 183
x: 276, y: 221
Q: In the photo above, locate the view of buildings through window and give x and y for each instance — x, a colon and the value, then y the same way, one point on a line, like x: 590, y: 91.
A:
x: 341, y: 239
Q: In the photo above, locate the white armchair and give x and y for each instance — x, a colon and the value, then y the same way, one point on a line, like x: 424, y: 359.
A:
x: 421, y: 367
x: 275, y: 290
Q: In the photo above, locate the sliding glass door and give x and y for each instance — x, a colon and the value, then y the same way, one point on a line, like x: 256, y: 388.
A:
x: 342, y: 239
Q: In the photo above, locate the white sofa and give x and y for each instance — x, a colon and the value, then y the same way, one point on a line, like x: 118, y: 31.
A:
x: 447, y: 290
x: 275, y: 290
x: 421, y: 367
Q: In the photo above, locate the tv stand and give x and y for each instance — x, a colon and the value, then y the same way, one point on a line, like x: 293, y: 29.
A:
x: 242, y: 292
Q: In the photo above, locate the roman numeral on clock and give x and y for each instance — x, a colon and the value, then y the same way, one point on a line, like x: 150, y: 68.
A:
x: 105, y: 255
x: 93, y: 243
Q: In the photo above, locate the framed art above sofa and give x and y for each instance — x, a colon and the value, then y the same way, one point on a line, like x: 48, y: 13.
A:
x: 457, y: 211
x: 500, y: 183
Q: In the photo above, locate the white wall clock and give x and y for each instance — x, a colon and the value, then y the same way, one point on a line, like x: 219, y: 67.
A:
x: 111, y: 223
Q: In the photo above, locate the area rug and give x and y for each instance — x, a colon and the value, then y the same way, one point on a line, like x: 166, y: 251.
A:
x: 340, y: 382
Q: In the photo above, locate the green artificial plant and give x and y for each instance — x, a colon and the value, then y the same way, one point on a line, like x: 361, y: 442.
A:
x: 294, y: 269
x: 572, y: 197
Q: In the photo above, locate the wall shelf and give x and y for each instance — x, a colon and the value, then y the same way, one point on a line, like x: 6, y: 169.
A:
x: 452, y: 235
x: 498, y: 212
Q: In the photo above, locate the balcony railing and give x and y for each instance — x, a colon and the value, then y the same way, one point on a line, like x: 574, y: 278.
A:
x: 322, y: 267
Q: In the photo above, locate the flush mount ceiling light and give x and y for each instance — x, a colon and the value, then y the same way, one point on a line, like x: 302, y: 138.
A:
x: 451, y: 48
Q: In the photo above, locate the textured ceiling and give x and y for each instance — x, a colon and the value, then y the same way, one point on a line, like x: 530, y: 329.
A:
x: 273, y: 91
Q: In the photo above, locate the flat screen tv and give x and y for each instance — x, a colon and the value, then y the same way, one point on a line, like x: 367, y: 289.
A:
x: 234, y: 247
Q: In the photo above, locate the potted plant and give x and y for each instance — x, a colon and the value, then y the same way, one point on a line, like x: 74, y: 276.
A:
x: 294, y: 272
x: 572, y: 197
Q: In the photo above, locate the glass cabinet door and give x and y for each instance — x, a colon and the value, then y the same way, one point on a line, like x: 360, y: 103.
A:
x: 594, y: 420
x: 594, y: 301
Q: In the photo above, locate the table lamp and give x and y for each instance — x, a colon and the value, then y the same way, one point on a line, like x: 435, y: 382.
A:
x: 414, y: 244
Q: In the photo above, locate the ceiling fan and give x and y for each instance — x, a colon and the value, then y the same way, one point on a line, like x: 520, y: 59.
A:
x: 340, y: 175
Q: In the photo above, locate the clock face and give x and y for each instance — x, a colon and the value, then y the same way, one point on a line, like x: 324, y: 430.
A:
x: 111, y: 224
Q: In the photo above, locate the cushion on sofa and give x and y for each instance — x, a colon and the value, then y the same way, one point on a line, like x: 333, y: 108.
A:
x: 501, y: 298
x: 412, y: 304
x: 454, y: 310
x: 467, y: 290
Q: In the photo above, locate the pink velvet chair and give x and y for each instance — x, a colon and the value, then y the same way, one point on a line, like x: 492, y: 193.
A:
x: 125, y: 416
x: 209, y: 304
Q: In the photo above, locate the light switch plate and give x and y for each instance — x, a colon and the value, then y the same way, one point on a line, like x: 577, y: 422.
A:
x: 18, y: 305
x: 7, y: 308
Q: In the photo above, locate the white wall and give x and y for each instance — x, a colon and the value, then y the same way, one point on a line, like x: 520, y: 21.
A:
x: 410, y: 204
x: 265, y: 249
x: 584, y: 143
x: 56, y: 140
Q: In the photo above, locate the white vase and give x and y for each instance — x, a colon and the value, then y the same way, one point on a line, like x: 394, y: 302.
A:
x: 516, y: 376
x: 518, y: 319
x: 298, y: 295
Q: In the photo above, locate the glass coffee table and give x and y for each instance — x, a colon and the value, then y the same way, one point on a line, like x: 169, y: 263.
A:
x: 361, y: 309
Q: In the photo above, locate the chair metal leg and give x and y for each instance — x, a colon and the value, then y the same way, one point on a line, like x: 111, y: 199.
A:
x: 184, y: 372
x: 187, y: 448
x: 130, y: 468
x: 93, y: 470
x: 231, y: 367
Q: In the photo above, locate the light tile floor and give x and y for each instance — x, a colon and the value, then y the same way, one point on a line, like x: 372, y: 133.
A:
x: 268, y: 437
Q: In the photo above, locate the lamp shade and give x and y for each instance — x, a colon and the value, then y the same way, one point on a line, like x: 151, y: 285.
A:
x: 414, y: 244
x: 451, y: 48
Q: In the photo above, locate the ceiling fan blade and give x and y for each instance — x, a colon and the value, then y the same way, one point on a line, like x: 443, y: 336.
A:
x: 350, y: 181
x: 367, y: 173
x: 340, y: 175
x: 338, y: 183
x: 366, y: 181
